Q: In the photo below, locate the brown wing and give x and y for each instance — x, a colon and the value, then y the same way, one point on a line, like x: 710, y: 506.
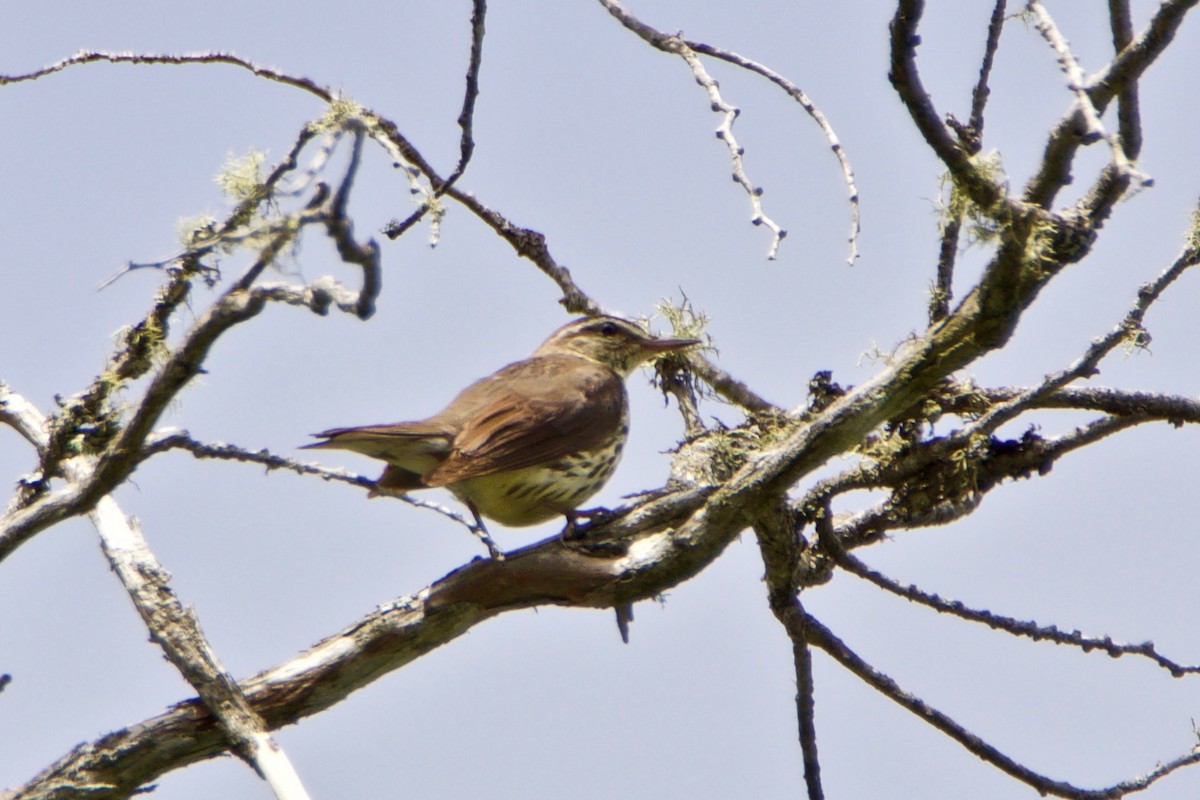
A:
x: 536, y: 411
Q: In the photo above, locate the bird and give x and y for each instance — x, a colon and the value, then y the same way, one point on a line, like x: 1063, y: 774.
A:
x: 532, y: 441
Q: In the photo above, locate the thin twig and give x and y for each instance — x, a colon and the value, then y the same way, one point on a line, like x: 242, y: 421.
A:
x: 1171, y: 408
x: 943, y: 288
x: 979, y: 95
x: 806, y: 718
x: 1077, y: 83
x: 972, y: 140
x: 780, y: 546
x: 798, y: 94
x: 532, y: 245
x: 164, y: 441
x: 906, y: 80
x: 1054, y: 172
x: 820, y: 636
x: 675, y: 45
x: 1016, y: 627
x: 1129, y: 115
x: 728, y: 387
x: 91, y: 56
x: 466, y: 117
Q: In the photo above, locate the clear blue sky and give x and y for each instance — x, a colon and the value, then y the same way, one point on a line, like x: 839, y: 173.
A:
x: 606, y: 146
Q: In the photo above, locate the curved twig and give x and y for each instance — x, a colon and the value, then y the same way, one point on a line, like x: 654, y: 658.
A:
x: 820, y: 636
x: 93, y: 56
x: 799, y: 95
x: 676, y: 45
x: 1016, y: 627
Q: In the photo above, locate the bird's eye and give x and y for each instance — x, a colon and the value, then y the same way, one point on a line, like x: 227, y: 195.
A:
x: 608, y: 328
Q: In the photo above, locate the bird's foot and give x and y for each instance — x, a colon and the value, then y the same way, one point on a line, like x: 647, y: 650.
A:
x: 595, y: 517
x: 493, y: 549
x: 576, y: 537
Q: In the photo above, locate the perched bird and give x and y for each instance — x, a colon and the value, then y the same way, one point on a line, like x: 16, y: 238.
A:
x: 530, y: 442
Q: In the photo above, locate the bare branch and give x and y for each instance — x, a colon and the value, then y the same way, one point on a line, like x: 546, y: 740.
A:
x: 971, y: 138
x: 798, y: 94
x: 466, y: 117
x: 675, y: 45
x: 1025, y: 628
x: 820, y: 636
x: 806, y: 717
x: 176, y: 440
x: 119, y: 442
x: 938, y: 482
x: 906, y: 80
x: 1129, y: 115
x: 728, y: 387
x: 532, y: 245
x: 1123, y: 169
x: 1055, y: 170
x: 1130, y: 329
x: 1137, y: 56
x: 592, y: 573
x: 1173, y: 409
x: 942, y: 291
x: 23, y: 416
x: 979, y: 96
x: 781, y: 548
x: 177, y: 631
x: 92, y: 56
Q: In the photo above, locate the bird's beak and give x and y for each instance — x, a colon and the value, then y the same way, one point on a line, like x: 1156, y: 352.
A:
x: 656, y: 346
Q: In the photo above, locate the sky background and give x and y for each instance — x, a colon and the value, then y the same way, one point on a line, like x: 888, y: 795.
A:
x: 606, y: 146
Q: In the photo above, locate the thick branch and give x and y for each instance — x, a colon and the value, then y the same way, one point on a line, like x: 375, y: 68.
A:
x: 177, y: 631
x: 583, y: 574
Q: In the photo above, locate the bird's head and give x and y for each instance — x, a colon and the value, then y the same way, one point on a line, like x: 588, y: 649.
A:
x: 616, y: 343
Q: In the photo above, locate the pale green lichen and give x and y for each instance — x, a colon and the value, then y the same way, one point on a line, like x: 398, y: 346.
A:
x: 1041, y: 245
x: 241, y: 178
x: 1136, y: 339
x: 982, y: 225
x: 197, y: 232
x: 1193, y: 238
x: 685, y: 321
x: 714, y: 456
x: 338, y: 116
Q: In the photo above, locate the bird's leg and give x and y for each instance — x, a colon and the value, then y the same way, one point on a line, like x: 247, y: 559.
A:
x: 480, y: 530
x: 569, y: 533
